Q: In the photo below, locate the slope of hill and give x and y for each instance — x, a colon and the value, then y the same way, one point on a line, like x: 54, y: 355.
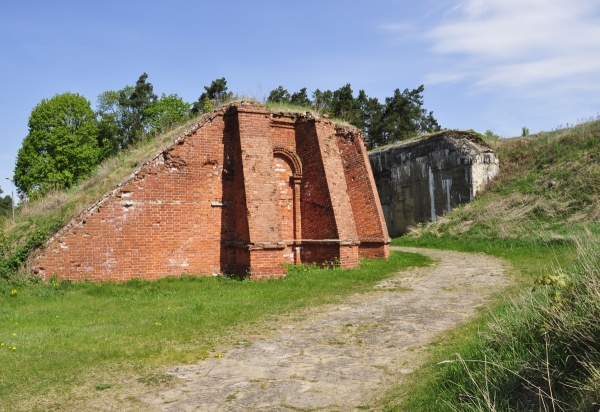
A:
x: 541, y: 350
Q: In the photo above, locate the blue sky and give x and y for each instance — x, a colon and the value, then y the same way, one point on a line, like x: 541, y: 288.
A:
x: 485, y: 64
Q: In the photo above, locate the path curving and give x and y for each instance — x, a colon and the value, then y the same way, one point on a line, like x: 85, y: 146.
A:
x: 339, y: 358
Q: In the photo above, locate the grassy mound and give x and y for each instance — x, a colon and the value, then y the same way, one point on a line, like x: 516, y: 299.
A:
x: 541, y: 350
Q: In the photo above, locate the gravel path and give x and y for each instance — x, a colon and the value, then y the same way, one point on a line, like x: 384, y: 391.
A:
x: 339, y: 358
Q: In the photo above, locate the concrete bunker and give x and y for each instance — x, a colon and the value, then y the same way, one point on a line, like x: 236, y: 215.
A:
x: 427, y: 177
x: 244, y: 191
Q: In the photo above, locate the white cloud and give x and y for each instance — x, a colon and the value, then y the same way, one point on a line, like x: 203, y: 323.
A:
x: 514, y: 43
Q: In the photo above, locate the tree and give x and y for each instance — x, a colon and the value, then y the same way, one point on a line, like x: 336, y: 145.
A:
x: 61, y: 147
x: 404, y: 117
x: 111, y: 135
x: 213, y: 96
x: 167, y: 111
x: 279, y: 95
x: 5, y: 205
x: 322, y: 100
x: 135, y: 108
x: 343, y: 104
x: 300, y: 98
x: 369, y: 118
x: 126, y: 115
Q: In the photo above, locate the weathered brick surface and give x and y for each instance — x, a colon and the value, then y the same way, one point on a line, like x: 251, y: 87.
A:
x: 368, y: 215
x: 244, y: 191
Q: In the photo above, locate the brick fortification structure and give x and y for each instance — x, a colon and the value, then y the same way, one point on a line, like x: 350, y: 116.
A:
x: 244, y: 191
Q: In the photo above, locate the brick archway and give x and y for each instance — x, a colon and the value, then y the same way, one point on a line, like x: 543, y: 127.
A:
x: 292, y: 157
x: 289, y: 203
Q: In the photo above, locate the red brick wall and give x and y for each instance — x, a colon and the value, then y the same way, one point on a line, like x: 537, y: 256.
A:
x: 220, y: 201
x: 361, y: 189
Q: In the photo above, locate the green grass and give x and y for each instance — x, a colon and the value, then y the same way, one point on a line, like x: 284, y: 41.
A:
x: 62, y: 330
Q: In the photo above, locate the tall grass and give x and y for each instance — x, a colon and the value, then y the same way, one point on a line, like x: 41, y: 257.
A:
x: 539, y: 352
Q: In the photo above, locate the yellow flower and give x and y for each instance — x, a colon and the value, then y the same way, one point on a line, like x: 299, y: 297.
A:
x: 13, y: 292
x: 14, y: 334
x: 57, y: 316
x: 14, y: 348
x: 2, y: 345
x: 218, y: 355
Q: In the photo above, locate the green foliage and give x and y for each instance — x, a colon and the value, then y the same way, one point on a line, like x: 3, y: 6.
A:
x: 343, y: 105
x: 283, y: 97
x: 491, y: 136
x: 12, y: 258
x: 136, y: 111
x: 279, y: 95
x: 167, y: 111
x: 61, y: 147
x: 401, y: 116
x: 524, y: 131
x: 404, y: 117
x: 5, y: 205
x: 481, y: 136
x: 126, y: 116
x: 213, y: 96
x: 322, y: 100
x: 300, y: 98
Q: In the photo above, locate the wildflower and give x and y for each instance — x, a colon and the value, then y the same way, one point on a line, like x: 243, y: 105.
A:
x: 14, y: 334
x: 13, y: 292
x: 14, y: 348
x: 218, y: 355
x: 158, y: 324
x: 57, y: 316
x: 2, y: 345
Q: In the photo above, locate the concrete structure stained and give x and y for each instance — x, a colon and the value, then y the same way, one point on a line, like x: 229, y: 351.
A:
x: 244, y: 191
x: 427, y: 177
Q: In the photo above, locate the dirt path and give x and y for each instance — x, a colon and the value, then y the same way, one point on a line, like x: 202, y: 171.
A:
x: 339, y: 358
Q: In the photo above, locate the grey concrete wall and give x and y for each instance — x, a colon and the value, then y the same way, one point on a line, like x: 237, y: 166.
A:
x: 425, y: 178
